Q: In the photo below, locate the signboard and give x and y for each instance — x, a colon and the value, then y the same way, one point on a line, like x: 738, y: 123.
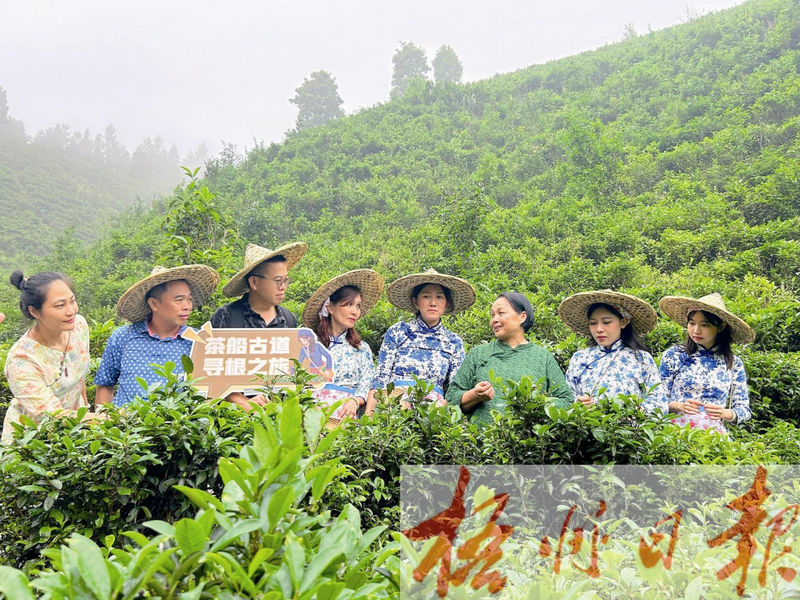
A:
x: 231, y: 360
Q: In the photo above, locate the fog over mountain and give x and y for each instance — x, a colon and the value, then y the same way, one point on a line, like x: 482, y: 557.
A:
x: 205, y: 71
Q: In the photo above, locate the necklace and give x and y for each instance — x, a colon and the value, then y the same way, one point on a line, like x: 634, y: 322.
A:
x: 63, y: 371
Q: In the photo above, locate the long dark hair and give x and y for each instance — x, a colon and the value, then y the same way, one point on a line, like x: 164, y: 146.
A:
x: 345, y: 294
x: 723, y: 341
x: 628, y: 333
x: 307, y: 333
x: 33, y: 291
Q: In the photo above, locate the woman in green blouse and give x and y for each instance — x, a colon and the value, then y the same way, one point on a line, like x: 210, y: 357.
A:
x: 510, y: 356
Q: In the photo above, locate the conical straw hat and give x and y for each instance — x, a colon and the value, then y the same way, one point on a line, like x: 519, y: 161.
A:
x: 399, y: 292
x: 369, y: 282
x: 253, y: 256
x: 678, y: 308
x: 574, y: 308
x: 202, y: 281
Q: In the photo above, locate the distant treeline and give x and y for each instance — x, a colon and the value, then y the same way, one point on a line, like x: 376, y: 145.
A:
x: 61, y: 178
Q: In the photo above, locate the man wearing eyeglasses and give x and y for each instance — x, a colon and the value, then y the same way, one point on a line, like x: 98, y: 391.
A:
x: 262, y: 285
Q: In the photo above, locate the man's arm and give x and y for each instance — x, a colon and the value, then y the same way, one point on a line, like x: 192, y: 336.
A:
x: 104, y: 394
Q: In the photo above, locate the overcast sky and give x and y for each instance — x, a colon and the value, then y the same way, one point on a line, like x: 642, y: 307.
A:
x: 211, y: 71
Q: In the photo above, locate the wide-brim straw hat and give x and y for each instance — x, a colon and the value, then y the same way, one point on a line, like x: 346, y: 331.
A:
x: 369, y: 282
x: 202, y: 280
x: 573, y: 310
x: 678, y: 308
x: 254, y: 255
x: 399, y: 291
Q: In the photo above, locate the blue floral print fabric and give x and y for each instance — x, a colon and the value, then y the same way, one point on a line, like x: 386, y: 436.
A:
x: 353, y: 369
x: 619, y: 370
x: 705, y: 376
x: 432, y: 354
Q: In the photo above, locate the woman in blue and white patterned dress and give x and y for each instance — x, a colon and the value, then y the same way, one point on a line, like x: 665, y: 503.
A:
x: 422, y: 348
x: 706, y: 382
x: 616, y: 362
x: 332, y: 312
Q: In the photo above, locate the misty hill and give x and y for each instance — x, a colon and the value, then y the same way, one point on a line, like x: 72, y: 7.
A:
x: 667, y: 150
x: 666, y: 164
x: 60, y: 179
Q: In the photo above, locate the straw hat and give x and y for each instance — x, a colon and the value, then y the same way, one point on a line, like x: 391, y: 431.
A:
x: 399, y: 292
x: 366, y: 280
x: 677, y: 308
x: 574, y: 308
x: 202, y: 281
x: 253, y: 256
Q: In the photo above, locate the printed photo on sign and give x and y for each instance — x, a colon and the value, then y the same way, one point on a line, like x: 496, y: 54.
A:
x: 236, y: 360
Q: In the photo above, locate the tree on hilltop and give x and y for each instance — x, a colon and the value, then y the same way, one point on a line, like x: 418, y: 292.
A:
x: 446, y: 66
x: 318, y: 100
x: 410, y: 62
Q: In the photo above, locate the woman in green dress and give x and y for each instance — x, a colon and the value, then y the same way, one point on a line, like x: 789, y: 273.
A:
x: 509, y: 356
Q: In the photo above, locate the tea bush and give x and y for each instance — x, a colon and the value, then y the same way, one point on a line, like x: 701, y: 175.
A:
x: 68, y: 477
x: 264, y: 535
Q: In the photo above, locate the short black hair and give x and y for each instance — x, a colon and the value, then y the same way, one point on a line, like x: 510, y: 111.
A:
x: 255, y: 271
x: 160, y: 289
x: 520, y: 304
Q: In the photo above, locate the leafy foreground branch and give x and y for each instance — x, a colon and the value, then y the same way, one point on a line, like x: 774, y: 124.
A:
x: 264, y: 536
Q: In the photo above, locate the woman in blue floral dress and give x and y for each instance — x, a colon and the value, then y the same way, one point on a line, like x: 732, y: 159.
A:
x: 332, y: 312
x: 707, y: 384
x: 616, y: 362
x: 422, y: 348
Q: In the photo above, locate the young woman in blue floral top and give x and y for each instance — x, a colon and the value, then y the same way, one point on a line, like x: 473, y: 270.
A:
x: 707, y: 384
x: 332, y: 312
x: 422, y: 348
x: 617, y: 362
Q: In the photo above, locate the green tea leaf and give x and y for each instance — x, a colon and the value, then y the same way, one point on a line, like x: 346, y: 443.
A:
x: 190, y: 535
x: 14, y: 584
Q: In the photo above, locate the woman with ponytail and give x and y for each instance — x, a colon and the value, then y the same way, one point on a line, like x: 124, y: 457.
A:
x: 47, y: 367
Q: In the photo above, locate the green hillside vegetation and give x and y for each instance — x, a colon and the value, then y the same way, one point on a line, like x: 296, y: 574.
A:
x: 665, y: 164
x: 60, y: 179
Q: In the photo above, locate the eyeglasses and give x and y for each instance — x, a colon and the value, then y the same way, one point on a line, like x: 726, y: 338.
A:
x: 278, y: 281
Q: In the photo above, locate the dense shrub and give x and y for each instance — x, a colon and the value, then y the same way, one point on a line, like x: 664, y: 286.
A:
x: 68, y: 477
x: 264, y: 536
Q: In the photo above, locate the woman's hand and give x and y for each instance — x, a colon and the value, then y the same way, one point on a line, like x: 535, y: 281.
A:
x: 2, y: 317
x: 371, y: 404
x: 586, y: 400
x: 690, y: 407
x: 715, y: 411
x: 350, y: 407
x: 483, y: 391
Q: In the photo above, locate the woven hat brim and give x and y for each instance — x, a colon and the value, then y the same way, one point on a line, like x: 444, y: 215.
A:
x: 399, y: 292
x: 677, y: 308
x: 202, y: 281
x: 574, y: 308
x: 237, y: 286
x: 369, y: 282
